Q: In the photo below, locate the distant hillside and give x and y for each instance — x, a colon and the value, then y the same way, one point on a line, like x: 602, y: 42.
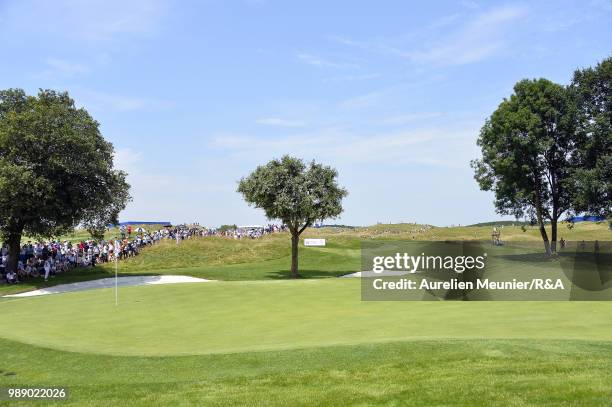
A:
x: 502, y: 222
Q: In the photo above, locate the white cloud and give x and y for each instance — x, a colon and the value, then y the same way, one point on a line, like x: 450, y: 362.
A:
x: 127, y: 160
x: 57, y: 67
x: 362, y: 101
x: 354, y: 78
x: 444, y: 21
x: 469, y: 4
x: 323, y: 63
x: 275, y: 121
x: 403, y: 119
x: 480, y: 37
x: 90, y: 21
x: 603, y: 5
x: 164, y: 196
x: 339, y: 145
x: 119, y: 102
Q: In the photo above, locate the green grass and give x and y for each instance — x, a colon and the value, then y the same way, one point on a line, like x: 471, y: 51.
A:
x: 437, y: 372
x: 258, y: 259
x: 220, y: 259
x: 224, y: 317
x: 580, y: 231
x: 304, y: 342
x: 260, y: 339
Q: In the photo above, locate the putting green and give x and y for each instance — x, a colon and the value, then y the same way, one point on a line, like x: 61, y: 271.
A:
x: 224, y: 317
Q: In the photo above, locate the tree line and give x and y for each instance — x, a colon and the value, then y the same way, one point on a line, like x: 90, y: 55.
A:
x: 547, y: 150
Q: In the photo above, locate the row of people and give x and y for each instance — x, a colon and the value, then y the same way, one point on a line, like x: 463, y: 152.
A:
x: 46, y: 259
x: 251, y: 232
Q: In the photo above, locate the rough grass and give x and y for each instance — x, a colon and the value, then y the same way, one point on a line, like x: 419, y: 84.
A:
x: 248, y: 259
x: 425, y: 373
x: 209, y: 251
x: 581, y: 231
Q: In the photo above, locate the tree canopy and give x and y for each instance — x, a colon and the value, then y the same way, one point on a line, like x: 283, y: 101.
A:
x: 592, y: 181
x: 527, y: 145
x: 296, y: 193
x: 56, y: 169
x: 547, y: 150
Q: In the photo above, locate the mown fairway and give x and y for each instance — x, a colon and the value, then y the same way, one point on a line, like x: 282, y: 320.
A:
x: 226, y: 317
x: 257, y: 338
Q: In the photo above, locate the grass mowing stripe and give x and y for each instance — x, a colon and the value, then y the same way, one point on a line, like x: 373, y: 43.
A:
x: 509, y: 372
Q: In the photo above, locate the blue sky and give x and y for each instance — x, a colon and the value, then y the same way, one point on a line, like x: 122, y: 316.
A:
x: 194, y: 95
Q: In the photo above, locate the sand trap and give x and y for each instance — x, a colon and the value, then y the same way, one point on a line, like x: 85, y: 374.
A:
x: 385, y: 273
x: 110, y: 282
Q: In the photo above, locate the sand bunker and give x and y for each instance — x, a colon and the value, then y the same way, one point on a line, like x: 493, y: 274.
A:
x: 109, y: 283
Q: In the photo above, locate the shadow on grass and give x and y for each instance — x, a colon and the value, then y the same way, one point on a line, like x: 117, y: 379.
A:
x: 526, y: 257
x: 307, y: 273
x: 581, y: 257
x: 588, y: 271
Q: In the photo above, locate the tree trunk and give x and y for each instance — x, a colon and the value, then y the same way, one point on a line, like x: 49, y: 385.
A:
x: 545, y: 239
x: 538, y: 205
x: 295, y: 240
x: 14, y: 248
x: 553, y: 235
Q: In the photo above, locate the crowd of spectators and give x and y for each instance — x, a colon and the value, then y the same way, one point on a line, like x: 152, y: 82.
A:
x: 46, y: 259
x: 242, y: 232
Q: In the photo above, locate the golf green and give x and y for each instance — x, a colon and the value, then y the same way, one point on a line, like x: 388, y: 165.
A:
x: 245, y: 316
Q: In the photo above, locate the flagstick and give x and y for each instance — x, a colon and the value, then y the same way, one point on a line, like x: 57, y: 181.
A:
x: 116, y: 293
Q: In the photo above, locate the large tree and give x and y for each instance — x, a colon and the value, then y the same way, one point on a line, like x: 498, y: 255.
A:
x: 296, y: 193
x: 527, y: 147
x: 56, y: 169
x: 592, y: 180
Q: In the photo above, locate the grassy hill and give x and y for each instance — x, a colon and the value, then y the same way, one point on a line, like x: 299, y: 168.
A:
x: 269, y: 257
x: 581, y: 231
x: 502, y: 223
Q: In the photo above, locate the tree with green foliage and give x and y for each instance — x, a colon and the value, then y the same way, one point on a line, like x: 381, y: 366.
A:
x: 592, y: 180
x: 296, y: 193
x: 56, y: 169
x: 527, y: 148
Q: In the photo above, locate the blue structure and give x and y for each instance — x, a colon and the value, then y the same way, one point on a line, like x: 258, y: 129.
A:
x: 587, y: 219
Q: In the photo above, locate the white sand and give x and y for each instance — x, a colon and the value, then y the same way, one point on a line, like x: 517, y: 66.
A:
x: 386, y: 273
x: 110, y: 282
